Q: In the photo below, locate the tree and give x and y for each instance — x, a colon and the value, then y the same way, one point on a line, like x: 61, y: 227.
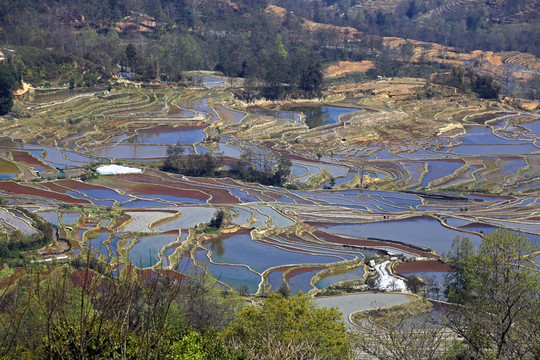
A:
x: 311, y: 79
x: 485, y: 87
x: 456, y: 284
x: 173, y: 160
x: 131, y: 56
x: 499, y: 316
x: 8, y: 82
x: 389, y: 335
x: 217, y: 220
x: 289, y: 328
x: 414, y: 283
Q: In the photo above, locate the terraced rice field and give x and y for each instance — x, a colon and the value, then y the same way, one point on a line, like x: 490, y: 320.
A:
x: 409, y: 194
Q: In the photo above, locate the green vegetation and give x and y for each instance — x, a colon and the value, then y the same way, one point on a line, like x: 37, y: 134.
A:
x: 14, y: 245
x: 466, y: 80
x: 217, y: 220
x: 499, y: 290
x: 289, y: 328
x: 497, y: 26
x: 9, y: 80
x: 78, y: 313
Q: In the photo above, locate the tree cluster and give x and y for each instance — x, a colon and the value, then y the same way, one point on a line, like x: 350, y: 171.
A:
x: 497, y: 289
x: 494, y: 312
x: 63, y: 313
x: 80, y: 38
x: 289, y: 328
x: 507, y: 25
x: 9, y: 81
x: 14, y: 244
x: 468, y: 81
x: 266, y: 169
x: 66, y: 313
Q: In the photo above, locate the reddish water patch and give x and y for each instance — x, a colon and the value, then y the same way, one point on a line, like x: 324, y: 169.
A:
x: 151, y: 275
x: 178, y: 187
x: 208, y: 181
x: 28, y: 159
x: 228, y: 181
x: 54, y: 187
x: 169, y: 274
x: 273, y: 195
x: 299, y: 271
x: 283, y: 268
x: 120, y: 222
x: 11, y: 187
x: 78, y: 185
x: 477, y: 225
x: 421, y: 266
x: 497, y: 197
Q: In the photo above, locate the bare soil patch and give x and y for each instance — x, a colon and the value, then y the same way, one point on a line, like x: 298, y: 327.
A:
x: 348, y: 67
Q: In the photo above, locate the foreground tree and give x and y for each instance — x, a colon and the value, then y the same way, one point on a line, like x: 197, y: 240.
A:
x: 499, y: 292
x: 289, y: 328
x: 82, y: 312
x: 400, y: 336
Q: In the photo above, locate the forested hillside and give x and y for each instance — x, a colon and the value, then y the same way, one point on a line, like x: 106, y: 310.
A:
x: 495, y: 25
x: 83, y: 43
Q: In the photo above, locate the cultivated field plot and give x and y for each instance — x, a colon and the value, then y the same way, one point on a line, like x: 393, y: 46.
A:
x: 367, y: 180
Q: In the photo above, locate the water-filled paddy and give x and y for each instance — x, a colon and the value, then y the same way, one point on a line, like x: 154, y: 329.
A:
x: 70, y: 218
x: 168, y: 135
x: 242, y: 217
x: 233, y: 276
x: 348, y: 304
x: 287, y: 115
x: 316, y: 115
x: 56, y: 158
x: 105, y: 194
x: 176, y: 199
x: 135, y: 151
x: 355, y: 274
x: 142, y: 204
x: 113, y: 246
x: 50, y: 216
x: 97, y: 243
x: 482, y: 135
x: 240, y: 249
x: 422, y: 231
x: 440, y: 169
x: 301, y: 281
x: 277, y: 219
x: 498, y: 149
x: 144, y: 252
x: 201, y: 105
x: 242, y: 195
x: 190, y: 217
x: 187, y: 267
x: 230, y: 115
